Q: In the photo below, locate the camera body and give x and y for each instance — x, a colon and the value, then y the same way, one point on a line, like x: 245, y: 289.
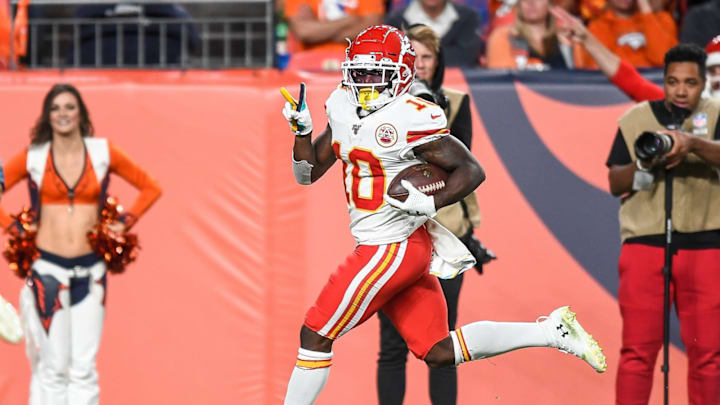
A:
x: 652, y: 145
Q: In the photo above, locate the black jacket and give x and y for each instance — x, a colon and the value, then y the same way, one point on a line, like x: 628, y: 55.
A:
x: 701, y: 23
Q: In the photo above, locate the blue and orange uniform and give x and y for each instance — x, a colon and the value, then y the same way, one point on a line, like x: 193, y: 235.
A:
x: 63, y: 301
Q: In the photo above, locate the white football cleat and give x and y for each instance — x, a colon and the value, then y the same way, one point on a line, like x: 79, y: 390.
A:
x: 565, y: 333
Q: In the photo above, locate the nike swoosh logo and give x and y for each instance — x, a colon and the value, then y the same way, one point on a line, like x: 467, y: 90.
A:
x: 434, y: 116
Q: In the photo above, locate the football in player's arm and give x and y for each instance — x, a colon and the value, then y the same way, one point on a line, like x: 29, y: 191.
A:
x: 377, y: 130
x: 465, y: 172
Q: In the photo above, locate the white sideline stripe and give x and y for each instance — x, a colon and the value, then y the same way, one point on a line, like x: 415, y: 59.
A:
x: 350, y: 291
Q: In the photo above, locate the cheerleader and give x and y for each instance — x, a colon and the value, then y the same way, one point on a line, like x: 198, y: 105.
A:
x: 63, y: 301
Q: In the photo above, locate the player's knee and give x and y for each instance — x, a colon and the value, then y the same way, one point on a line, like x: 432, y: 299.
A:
x: 310, y: 340
x: 441, y: 355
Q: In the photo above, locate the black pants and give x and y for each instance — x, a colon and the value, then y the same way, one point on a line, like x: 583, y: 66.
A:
x: 393, y: 356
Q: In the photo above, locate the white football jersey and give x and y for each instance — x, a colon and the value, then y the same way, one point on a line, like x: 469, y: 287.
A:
x: 373, y: 150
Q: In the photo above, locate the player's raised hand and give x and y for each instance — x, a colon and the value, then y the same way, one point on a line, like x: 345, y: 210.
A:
x: 297, y: 113
x: 417, y: 203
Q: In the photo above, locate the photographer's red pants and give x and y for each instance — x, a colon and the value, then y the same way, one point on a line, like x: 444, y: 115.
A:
x: 695, y: 292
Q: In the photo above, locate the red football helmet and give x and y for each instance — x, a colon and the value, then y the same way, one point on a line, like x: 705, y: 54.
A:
x: 379, y: 66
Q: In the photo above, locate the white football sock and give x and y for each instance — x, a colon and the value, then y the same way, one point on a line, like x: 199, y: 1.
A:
x: 308, y: 377
x: 483, y: 339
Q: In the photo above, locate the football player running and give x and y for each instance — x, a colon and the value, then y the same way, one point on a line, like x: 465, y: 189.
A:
x: 377, y: 129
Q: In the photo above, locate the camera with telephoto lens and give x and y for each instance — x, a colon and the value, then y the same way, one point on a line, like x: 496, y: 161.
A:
x: 652, y: 145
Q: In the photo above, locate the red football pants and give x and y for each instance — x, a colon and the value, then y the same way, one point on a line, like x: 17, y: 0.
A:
x: 695, y: 291
x: 394, y: 277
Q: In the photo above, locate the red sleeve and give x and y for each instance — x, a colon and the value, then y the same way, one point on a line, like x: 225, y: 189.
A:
x: 126, y: 168
x: 635, y: 85
x: 15, y: 170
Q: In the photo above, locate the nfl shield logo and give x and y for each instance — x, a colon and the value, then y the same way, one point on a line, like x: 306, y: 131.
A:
x: 700, y: 120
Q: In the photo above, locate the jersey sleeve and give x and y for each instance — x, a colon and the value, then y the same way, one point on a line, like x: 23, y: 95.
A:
x: 15, y: 170
x: 428, y: 123
x: 126, y: 168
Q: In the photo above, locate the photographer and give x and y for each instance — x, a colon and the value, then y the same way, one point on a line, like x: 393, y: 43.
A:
x: 683, y: 136
x: 460, y: 218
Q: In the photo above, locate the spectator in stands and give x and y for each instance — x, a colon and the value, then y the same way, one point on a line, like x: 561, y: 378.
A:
x: 623, y: 74
x: 319, y: 29
x: 633, y: 31
x: 483, y: 8
x: 620, y: 72
x: 531, y: 42
x: 130, y: 35
x: 18, y: 36
x: 458, y: 26
x: 701, y: 23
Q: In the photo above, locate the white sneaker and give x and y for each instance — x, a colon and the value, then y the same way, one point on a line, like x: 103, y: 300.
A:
x: 565, y: 333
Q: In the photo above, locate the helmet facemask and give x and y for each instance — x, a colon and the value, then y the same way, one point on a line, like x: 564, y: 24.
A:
x: 372, y: 84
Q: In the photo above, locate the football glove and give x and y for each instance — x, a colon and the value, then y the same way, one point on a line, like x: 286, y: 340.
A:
x: 296, y: 112
x: 417, y: 203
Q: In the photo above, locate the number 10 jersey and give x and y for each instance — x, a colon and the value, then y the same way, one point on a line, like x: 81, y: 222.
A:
x: 373, y: 150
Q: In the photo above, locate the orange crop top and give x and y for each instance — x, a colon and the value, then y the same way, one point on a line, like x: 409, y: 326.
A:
x: 89, y: 189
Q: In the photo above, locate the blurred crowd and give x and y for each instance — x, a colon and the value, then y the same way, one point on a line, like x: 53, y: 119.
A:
x: 311, y: 34
x: 512, y: 34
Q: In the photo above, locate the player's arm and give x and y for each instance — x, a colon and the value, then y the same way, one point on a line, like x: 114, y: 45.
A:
x: 464, y: 171
x: 312, y: 159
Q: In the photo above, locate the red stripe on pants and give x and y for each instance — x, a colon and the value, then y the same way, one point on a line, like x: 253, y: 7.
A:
x: 695, y: 292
